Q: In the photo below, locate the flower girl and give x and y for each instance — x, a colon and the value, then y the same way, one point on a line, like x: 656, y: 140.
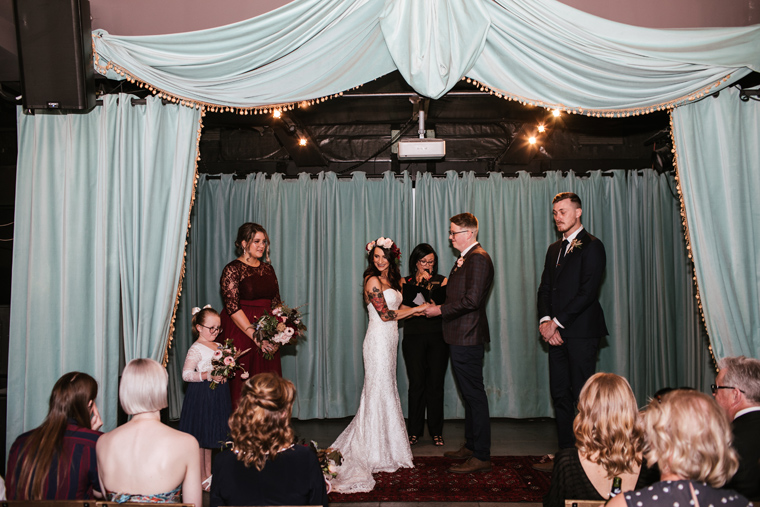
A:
x: 206, y: 409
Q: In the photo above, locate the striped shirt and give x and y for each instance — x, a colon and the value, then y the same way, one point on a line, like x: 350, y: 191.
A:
x: 79, y: 478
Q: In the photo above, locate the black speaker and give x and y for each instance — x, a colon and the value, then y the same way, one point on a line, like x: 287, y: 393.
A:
x: 55, y: 53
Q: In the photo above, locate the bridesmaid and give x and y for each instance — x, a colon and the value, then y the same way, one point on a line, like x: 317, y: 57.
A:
x: 249, y: 286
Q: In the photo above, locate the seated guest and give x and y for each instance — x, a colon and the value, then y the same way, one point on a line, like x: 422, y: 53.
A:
x: 608, y: 440
x: 689, y: 438
x: 56, y: 461
x: 145, y: 460
x: 737, y: 391
x: 264, y: 467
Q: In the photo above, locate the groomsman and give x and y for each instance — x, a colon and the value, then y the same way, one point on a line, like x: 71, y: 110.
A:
x: 572, y: 320
x: 465, y: 329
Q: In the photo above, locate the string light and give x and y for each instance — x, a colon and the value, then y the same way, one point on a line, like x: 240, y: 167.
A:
x: 277, y: 113
x: 532, y: 140
x: 556, y: 113
x: 302, y: 141
x: 541, y: 128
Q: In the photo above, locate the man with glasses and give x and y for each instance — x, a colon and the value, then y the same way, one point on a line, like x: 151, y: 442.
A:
x: 572, y: 321
x: 737, y: 391
x: 465, y: 329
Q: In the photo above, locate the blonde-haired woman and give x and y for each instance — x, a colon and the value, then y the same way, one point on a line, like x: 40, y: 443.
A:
x: 145, y: 460
x: 609, y: 443
x: 264, y: 467
x: 689, y: 438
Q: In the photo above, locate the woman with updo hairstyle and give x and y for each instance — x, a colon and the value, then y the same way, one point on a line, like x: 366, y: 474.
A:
x: 263, y: 465
x: 249, y: 287
x: 609, y: 443
x: 689, y: 438
x: 144, y: 460
x: 57, y: 461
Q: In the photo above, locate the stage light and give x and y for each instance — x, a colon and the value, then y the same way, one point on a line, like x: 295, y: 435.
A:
x: 277, y: 113
x: 302, y: 141
x: 532, y: 140
x: 556, y: 113
x: 541, y: 128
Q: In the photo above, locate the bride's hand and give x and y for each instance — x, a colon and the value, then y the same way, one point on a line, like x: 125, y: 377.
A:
x: 420, y: 310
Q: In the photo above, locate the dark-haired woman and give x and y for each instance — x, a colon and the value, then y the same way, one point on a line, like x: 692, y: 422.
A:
x: 264, y: 467
x: 249, y: 286
x: 57, y: 460
x: 375, y: 440
x: 425, y: 353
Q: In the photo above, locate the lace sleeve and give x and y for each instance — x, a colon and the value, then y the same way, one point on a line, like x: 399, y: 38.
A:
x: 276, y: 298
x: 230, y: 285
x: 189, y: 373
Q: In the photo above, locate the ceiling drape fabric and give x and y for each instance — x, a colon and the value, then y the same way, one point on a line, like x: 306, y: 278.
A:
x: 537, y: 51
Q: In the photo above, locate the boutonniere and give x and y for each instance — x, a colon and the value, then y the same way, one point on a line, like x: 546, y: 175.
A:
x: 576, y: 243
x: 460, y: 261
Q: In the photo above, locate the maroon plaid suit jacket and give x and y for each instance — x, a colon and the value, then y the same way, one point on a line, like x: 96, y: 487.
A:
x: 464, y: 312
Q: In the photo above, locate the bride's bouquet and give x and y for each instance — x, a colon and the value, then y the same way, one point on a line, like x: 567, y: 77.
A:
x: 329, y: 461
x: 224, y: 362
x: 281, y: 325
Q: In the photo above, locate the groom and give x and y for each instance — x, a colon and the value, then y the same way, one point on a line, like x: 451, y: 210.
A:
x: 465, y: 329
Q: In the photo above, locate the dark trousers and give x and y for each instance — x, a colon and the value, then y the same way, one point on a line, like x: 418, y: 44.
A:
x: 467, y: 365
x: 426, y: 357
x: 570, y: 366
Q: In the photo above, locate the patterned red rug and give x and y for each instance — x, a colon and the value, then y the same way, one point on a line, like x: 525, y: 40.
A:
x: 510, y: 480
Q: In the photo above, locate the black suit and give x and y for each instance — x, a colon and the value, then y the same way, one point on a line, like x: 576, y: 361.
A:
x: 569, y: 293
x: 747, y: 443
x: 465, y: 329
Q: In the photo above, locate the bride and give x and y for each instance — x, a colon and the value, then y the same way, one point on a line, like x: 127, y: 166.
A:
x: 376, y: 439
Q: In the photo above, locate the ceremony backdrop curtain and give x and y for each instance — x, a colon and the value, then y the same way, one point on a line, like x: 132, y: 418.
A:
x: 319, y: 227
x: 718, y: 158
x: 539, y: 51
x: 89, y: 245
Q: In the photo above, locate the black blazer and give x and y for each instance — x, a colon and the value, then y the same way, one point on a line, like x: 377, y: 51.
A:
x: 570, y: 292
x: 747, y: 443
x: 464, y: 312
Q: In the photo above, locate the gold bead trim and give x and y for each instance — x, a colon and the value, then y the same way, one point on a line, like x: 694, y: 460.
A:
x: 599, y: 113
x: 687, y: 237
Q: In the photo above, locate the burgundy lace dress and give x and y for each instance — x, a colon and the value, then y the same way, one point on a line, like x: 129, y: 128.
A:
x: 251, y: 290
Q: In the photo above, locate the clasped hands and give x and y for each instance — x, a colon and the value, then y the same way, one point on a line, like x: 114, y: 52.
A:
x: 550, y: 333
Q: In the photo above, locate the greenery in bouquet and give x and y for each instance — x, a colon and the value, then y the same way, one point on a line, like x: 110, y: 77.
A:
x: 329, y: 460
x: 281, y: 325
x: 224, y: 362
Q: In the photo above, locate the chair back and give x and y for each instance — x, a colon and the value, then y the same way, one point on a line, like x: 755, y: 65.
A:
x: 583, y: 503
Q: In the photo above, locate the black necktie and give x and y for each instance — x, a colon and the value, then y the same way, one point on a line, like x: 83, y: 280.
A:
x: 562, y: 251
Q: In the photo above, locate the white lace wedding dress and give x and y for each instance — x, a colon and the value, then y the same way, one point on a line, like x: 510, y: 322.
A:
x: 376, y: 439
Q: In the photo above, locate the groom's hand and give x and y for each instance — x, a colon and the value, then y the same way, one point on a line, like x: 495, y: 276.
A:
x: 433, y: 311
x: 547, y: 329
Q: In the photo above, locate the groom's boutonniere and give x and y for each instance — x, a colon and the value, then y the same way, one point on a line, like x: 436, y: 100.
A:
x: 460, y: 261
x: 576, y: 243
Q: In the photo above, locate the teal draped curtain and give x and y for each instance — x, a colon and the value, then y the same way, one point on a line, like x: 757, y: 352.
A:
x: 718, y: 152
x: 319, y: 227
x: 102, y: 204
x: 539, y: 51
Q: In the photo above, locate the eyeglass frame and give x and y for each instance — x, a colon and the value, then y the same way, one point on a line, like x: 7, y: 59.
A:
x: 426, y: 263
x: 452, y: 233
x: 714, y: 388
x: 216, y: 330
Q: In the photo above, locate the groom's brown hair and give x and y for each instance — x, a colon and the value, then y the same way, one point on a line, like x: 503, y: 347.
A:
x: 465, y: 220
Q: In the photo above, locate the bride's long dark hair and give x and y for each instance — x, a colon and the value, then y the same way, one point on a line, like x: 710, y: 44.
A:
x: 394, y: 275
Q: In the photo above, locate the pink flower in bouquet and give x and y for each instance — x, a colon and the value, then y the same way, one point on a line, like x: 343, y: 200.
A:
x: 281, y: 327
x: 277, y: 311
x: 217, y: 354
x: 245, y: 375
x: 229, y: 361
x: 280, y: 338
x: 289, y: 331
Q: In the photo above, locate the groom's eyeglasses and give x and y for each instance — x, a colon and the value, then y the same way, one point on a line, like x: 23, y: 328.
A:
x: 452, y: 233
x: 714, y: 388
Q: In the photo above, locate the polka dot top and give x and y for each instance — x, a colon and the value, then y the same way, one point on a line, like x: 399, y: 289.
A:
x: 678, y: 494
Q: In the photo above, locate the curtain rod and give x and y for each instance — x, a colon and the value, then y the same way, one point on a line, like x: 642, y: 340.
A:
x: 608, y: 174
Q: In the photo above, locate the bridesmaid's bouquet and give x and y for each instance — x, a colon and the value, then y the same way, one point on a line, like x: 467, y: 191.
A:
x: 281, y: 325
x: 225, y: 363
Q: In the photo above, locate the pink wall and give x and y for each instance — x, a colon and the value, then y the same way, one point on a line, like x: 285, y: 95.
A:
x: 149, y: 17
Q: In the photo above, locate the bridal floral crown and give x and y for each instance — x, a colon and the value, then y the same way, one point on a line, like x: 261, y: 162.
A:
x: 388, y: 244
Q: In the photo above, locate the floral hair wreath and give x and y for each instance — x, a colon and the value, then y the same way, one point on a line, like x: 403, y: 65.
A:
x: 196, y: 309
x: 388, y: 244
